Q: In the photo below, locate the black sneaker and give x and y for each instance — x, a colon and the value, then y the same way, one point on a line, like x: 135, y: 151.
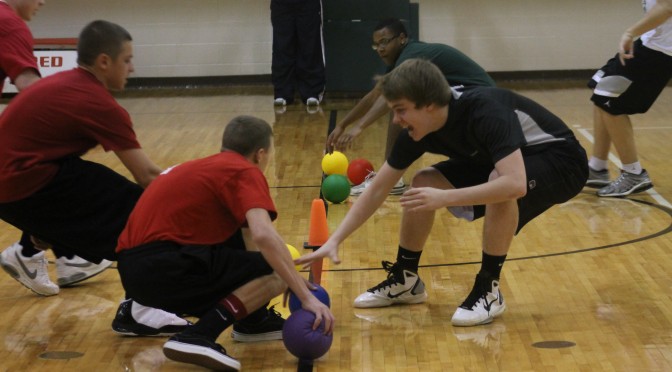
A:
x: 198, y: 350
x: 266, y: 330
x: 152, y: 322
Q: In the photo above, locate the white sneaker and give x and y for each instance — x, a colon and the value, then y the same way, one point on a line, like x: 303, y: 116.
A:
x: 400, y: 287
x: 280, y: 102
x: 71, y: 271
x: 312, y: 101
x: 29, y: 271
x: 484, y: 303
x: 357, y: 190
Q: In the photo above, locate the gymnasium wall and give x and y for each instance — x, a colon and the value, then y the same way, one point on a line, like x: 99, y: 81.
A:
x: 178, y: 38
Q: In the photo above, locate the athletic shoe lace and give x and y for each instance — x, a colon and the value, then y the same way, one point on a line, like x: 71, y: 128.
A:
x: 478, y: 292
x: 392, y: 277
x: 622, y: 179
x: 272, y: 313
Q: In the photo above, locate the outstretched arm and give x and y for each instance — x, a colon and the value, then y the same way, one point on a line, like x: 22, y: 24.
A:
x: 374, y: 195
x: 365, y: 112
x: 656, y: 16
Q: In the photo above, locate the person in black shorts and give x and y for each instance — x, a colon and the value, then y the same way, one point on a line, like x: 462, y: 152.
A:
x: 510, y: 159
x: 196, y: 254
x: 629, y: 84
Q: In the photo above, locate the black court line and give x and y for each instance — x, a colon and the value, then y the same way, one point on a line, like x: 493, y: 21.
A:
x: 294, y: 187
x: 664, y: 231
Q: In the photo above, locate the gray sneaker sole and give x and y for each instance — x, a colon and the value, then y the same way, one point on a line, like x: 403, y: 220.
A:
x: 635, y: 190
x: 81, y: 276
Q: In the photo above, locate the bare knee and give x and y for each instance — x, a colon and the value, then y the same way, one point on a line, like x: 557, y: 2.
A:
x: 430, y: 177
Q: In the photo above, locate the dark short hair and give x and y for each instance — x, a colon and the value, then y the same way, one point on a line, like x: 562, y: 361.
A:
x: 416, y: 80
x: 100, y: 37
x: 246, y: 134
x: 394, y: 24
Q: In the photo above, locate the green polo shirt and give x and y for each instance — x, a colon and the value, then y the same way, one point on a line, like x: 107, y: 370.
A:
x: 455, y: 65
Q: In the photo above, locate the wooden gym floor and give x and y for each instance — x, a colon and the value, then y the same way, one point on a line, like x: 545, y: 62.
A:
x: 587, y: 283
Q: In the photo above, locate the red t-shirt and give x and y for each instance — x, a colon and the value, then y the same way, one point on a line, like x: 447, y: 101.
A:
x: 16, y: 45
x: 200, y: 202
x: 60, y: 116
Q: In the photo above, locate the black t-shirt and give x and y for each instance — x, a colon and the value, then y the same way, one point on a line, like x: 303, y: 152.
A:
x: 485, y: 125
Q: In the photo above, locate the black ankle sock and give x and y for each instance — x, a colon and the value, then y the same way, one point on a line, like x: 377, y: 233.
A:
x: 28, y: 249
x: 408, y: 260
x: 58, y: 253
x: 212, y: 323
x: 491, y: 266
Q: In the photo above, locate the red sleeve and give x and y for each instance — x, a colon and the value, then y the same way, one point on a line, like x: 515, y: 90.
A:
x: 115, y: 132
x: 249, y: 191
x: 16, y: 51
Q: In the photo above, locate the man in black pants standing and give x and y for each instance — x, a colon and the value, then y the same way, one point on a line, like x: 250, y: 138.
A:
x: 298, y: 53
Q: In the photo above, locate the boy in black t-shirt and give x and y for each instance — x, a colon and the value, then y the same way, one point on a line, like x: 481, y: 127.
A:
x: 510, y: 159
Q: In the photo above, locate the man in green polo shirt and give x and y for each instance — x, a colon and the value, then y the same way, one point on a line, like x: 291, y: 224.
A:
x: 391, y: 42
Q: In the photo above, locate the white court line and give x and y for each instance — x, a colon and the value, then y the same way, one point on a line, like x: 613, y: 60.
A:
x: 652, y: 191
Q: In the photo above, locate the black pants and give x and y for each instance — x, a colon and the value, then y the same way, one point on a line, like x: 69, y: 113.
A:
x: 188, y: 279
x: 83, y: 209
x: 298, y: 55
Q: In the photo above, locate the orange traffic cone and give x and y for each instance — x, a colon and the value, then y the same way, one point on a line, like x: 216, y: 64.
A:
x: 318, y: 234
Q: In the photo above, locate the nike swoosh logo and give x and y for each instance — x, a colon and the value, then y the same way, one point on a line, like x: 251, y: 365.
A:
x: 233, y: 307
x: 31, y: 274
x: 488, y: 305
x: 390, y: 295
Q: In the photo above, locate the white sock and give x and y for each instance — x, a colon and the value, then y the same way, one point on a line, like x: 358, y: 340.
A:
x: 597, y: 164
x: 634, y: 168
x: 155, y: 318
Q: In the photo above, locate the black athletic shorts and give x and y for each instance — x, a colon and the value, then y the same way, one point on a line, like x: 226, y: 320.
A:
x: 633, y: 88
x: 555, y: 173
x: 188, y: 280
x: 83, y: 209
